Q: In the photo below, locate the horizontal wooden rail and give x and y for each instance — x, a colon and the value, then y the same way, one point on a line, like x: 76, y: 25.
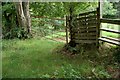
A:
x: 85, y: 41
x: 110, y: 30
x: 110, y: 21
x: 83, y: 14
x: 114, y: 39
x: 47, y: 23
x: 48, y: 17
x: 88, y: 17
x: 87, y: 13
x: 110, y: 41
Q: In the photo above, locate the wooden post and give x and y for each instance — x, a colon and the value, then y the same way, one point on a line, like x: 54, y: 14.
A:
x: 66, y: 27
x: 98, y: 26
x: 99, y: 14
x: 100, y: 5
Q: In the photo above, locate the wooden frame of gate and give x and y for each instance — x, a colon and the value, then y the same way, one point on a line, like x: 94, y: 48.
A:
x: 84, y: 28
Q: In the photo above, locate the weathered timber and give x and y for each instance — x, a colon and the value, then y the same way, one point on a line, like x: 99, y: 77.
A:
x: 98, y: 26
x: 110, y: 30
x: 88, y: 22
x: 66, y: 29
x: 87, y: 13
x: 88, y: 17
x: 114, y: 39
x: 83, y: 29
x: 110, y: 21
x: 84, y: 38
x: 90, y: 34
x: 47, y: 17
x: 85, y: 41
x: 110, y: 41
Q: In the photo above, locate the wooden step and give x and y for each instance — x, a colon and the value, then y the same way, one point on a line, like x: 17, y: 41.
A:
x: 110, y: 41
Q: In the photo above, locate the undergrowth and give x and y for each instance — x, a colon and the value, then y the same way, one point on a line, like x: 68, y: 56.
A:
x: 42, y: 58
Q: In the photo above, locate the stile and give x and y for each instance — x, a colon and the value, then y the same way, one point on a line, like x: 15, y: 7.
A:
x: 85, y: 27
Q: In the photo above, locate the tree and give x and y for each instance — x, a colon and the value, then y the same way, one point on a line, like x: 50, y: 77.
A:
x: 27, y: 15
x: 108, y: 10
x: 23, y: 15
x: 16, y: 20
x: 117, y: 6
x: 20, y: 14
x: 9, y: 20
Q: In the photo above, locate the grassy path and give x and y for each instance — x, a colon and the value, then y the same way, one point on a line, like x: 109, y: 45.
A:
x: 35, y: 58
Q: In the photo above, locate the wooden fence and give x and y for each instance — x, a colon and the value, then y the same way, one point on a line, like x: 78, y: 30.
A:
x: 110, y: 39
x: 84, y: 28
x: 55, y: 34
x: 53, y: 18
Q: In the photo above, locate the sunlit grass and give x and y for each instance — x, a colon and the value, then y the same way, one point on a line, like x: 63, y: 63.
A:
x: 109, y: 34
x: 34, y: 58
x: 56, y: 35
x: 110, y: 26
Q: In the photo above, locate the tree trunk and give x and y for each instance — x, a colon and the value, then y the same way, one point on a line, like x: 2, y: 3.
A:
x: 20, y: 15
x: 72, y: 42
x: 27, y: 15
x: 23, y: 16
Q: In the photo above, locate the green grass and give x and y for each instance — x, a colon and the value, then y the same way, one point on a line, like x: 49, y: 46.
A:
x: 34, y: 58
x: 110, y: 34
x: 56, y: 35
x: 110, y: 26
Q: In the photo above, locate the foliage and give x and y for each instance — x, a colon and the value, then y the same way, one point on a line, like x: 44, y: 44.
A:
x: 70, y: 72
x: 117, y: 6
x: 11, y: 28
x: 16, y: 33
x: 47, y: 9
x: 8, y: 19
x: 108, y: 9
x: 58, y: 10
x: 46, y: 26
x: 101, y: 73
x: 117, y: 55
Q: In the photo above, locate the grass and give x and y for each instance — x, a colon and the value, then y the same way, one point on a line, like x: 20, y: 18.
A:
x: 110, y: 26
x: 35, y: 58
x: 56, y: 35
x: 27, y: 58
x: 110, y: 34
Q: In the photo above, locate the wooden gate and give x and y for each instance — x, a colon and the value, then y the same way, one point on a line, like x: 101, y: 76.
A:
x: 84, y: 28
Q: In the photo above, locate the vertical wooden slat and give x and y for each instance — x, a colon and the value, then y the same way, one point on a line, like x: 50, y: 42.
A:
x: 100, y: 5
x: 66, y: 27
x: 98, y: 26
